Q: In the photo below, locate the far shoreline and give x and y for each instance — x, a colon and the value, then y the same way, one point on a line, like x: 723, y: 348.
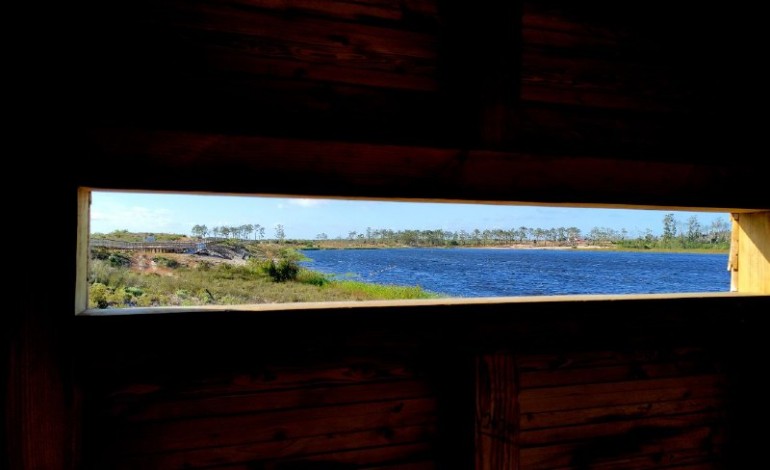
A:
x: 704, y: 251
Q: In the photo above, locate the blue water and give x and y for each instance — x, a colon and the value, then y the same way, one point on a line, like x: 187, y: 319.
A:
x: 462, y: 272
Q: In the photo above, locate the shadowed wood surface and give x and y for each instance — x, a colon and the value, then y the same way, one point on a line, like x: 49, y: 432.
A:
x: 215, y: 162
x: 639, y: 103
x: 596, y: 384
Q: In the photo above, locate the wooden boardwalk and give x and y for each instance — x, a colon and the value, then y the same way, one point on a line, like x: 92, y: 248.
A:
x: 155, y: 246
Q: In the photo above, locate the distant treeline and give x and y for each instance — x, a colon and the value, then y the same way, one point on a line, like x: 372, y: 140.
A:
x: 675, y: 234
x: 690, y: 234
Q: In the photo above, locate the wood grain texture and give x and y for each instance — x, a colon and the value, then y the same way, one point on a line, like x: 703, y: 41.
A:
x: 324, y: 168
x: 277, y: 449
x: 733, y: 258
x: 630, y: 408
x: 82, y: 250
x: 42, y: 418
x: 497, y: 412
x: 753, y: 267
x: 608, y: 104
x: 640, y: 454
x: 608, y: 389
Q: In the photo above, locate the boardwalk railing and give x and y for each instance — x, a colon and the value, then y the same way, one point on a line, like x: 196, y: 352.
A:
x: 157, y: 246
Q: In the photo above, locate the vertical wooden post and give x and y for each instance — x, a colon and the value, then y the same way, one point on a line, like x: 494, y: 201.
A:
x: 81, y: 250
x: 732, y: 261
x: 750, y: 265
x: 497, y: 412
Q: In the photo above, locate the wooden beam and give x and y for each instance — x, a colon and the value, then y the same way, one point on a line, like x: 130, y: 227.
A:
x: 186, y: 161
x: 497, y: 412
x: 751, y: 264
x: 732, y: 260
x: 81, y: 250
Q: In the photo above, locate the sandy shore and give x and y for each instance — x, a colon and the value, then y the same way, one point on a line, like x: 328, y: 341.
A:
x: 539, y: 247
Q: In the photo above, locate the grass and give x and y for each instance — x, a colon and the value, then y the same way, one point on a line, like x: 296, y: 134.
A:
x: 712, y: 249
x: 177, y: 284
x: 365, y: 291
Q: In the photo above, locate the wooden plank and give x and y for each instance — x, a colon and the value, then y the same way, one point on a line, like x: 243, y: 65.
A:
x: 229, y: 455
x: 535, y: 34
x: 537, y: 15
x: 661, y: 425
x: 497, y: 412
x: 337, y: 9
x: 498, y: 68
x: 346, y: 40
x: 549, y: 77
x: 342, y: 169
x: 615, y: 133
x: 240, y: 62
x: 534, y: 89
x: 613, y: 452
x: 390, y: 10
x: 378, y: 457
x: 679, y: 459
x: 576, y: 367
x: 272, y: 426
x: 165, y: 409
x: 281, y: 106
x: 613, y: 413
x: 81, y: 250
x: 754, y: 252
x: 347, y: 58
x: 355, y: 370
x: 620, y: 393
x: 732, y: 261
x: 606, y: 374
x: 530, y: 363
x: 423, y: 465
x: 374, y: 456
x: 42, y: 418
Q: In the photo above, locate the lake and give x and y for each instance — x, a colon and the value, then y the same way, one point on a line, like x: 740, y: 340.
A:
x: 479, y: 272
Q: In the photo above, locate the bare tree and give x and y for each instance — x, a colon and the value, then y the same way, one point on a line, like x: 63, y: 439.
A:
x: 280, y: 233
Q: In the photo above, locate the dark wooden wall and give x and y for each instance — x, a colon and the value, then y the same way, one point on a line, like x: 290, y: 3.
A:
x: 552, y: 101
x: 549, y: 101
x: 610, y: 384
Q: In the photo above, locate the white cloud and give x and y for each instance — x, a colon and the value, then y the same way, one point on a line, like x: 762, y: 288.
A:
x: 306, y: 202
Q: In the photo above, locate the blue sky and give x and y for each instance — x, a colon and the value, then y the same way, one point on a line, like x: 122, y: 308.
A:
x: 305, y: 218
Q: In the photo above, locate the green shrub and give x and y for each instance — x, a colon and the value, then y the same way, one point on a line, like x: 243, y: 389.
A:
x: 118, y: 297
x: 285, y: 270
x: 182, y: 293
x: 144, y: 301
x: 167, y: 262
x: 97, y: 295
x: 134, y: 291
x: 118, y: 260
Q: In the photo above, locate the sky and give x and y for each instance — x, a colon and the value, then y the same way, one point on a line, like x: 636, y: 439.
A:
x: 306, y: 218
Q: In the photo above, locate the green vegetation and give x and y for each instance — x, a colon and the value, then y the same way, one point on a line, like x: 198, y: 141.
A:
x: 268, y: 271
x: 166, y: 262
x: 675, y: 235
x: 691, y: 236
x: 364, y: 291
x: 274, y: 277
x: 135, y: 237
